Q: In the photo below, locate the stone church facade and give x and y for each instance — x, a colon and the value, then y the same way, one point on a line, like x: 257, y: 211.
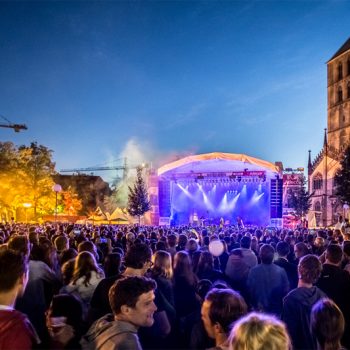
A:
x: 326, y: 208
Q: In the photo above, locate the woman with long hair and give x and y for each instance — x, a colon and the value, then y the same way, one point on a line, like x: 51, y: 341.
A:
x: 86, y: 277
x: 205, y: 268
x: 162, y: 273
x: 184, y: 281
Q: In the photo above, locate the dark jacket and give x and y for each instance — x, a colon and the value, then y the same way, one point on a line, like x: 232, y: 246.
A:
x: 297, y: 307
x: 291, y: 270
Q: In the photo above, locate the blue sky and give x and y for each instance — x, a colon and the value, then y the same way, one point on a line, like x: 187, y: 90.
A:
x: 97, y: 80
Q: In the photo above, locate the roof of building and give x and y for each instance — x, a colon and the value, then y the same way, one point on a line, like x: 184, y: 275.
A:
x: 345, y: 47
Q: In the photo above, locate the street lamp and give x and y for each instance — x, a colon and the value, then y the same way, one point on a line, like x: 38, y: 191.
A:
x: 56, y: 188
x: 26, y: 206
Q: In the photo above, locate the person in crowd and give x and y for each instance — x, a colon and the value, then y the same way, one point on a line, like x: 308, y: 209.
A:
x: 64, y: 320
x: 300, y: 250
x: 206, y: 270
x: 327, y: 325
x: 298, y: 303
x: 172, y: 241
x: 137, y: 262
x: 221, y: 308
x: 283, y: 250
x: 184, y: 282
x: 240, y: 261
x: 112, y: 264
x: 132, y: 302
x: 16, y: 331
x: 42, y: 284
x: 61, y: 244
x: 335, y: 282
x: 258, y: 331
x: 267, y: 283
x: 162, y: 273
x: 86, y: 277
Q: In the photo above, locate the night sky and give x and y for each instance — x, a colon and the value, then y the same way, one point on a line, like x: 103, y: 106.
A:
x: 95, y: 81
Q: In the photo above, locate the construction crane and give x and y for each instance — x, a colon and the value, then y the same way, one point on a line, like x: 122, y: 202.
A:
x: 125, y: 168
x: 16, y: 127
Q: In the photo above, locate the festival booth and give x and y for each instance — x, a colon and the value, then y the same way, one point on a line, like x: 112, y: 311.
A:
x: 217, y: 188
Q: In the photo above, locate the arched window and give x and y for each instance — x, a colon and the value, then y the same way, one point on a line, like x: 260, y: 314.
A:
x: 348, y: 90
x: 340, y: 94
x: 342, y: 140
x: 340, y: 71
x: 317, y: 182
x: 348, y: 64
x: 317, y: 206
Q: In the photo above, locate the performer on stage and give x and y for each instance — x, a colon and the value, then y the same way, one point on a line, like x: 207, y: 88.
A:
x: 240, y: 223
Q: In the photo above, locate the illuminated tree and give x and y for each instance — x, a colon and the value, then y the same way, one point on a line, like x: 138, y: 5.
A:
x: 72, y: 204
x: 36, y: 169
x: 26, y: 177
x: 138, y: 203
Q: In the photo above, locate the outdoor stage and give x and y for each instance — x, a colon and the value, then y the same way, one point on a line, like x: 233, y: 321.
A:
x: 208, y: 188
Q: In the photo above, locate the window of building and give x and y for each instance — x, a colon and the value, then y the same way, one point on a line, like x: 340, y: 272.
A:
x: 340, y: 94
x: 340, y: 71
x: 348, y: 64
x: 348, y: 92
x: 317, y: 182
x: 317, y: 206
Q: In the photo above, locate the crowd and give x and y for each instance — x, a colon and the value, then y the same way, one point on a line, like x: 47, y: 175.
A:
x: 132, y: 287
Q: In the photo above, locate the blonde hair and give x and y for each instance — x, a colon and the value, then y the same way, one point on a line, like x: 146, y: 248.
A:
x: 84, y: 264
x: 162, y: 264
x: 258, y: 331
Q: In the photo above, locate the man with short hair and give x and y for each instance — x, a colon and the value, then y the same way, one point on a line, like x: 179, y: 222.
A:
x: 16, y: 331
x: 267, y: 283
x: 137, y: 261
x: 298, y: 303
x: 132, y: 302
x: 220, y: 309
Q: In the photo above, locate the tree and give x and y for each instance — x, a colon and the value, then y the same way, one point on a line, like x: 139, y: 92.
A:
x: 138, y: 203
x: 72, y: 204
x: 36, y: 169
x: 342, y: 178
x: 300, y: 199
x: 26, y: 177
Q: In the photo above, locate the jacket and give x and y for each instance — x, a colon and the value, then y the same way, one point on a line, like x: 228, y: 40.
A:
x: 109, y: 334
x: 16, y: 331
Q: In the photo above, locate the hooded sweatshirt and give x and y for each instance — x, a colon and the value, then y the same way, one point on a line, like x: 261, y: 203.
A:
x: 16, y: 331
x: 107, y: 334
x: 297, y: 307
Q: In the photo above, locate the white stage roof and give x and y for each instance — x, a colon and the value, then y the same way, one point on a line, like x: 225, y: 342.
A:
x: 217, y: 162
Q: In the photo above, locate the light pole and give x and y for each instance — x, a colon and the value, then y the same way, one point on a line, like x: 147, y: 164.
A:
x: 26, y: 206
x: 56, y: 188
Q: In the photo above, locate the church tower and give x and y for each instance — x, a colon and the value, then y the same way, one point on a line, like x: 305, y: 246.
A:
x: 338, y: 91
x: 325, y: 206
